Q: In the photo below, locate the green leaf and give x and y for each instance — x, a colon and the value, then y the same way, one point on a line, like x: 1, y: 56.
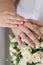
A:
x: 30, y: 50
x: 16, y: 48
x: 15, y: 43
x: 11, y: 37
x: 19, y: 56
x: 35, y: 50
x: 15, y: 54
x: 31, y: 63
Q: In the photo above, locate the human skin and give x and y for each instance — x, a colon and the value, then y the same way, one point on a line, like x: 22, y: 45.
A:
x: 20, y: 26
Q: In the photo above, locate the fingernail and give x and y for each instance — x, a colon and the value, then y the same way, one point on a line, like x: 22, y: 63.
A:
x: 38, y: 44
x: 31, y: 46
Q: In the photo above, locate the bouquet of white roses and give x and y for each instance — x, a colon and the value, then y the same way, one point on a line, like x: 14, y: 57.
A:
x: 27, y: 55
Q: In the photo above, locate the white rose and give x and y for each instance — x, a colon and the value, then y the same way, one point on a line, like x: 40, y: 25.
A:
x: 41, y: 54
x: 26, y: 55
x: 35, y: 57
x: 42, y: 60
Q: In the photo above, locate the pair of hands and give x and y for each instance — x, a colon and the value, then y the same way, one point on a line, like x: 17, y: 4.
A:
x: 24, y: 29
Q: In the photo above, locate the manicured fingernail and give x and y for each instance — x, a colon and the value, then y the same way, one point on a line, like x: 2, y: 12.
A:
x: 38, y: 43
x: 31, y: 46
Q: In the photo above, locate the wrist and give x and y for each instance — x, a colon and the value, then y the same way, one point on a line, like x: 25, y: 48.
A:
x: 6, y: 5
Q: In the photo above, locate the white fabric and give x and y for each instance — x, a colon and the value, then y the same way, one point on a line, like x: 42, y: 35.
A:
x: 31, y: 9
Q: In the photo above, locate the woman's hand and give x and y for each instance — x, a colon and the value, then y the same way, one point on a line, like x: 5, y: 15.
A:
x: 7, y: 19
x: 28, y: 32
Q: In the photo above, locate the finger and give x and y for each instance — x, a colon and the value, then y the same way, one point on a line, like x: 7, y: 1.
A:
x: 13, y: 26
x: 34, y: 29
x: 12, y: 19
x: 13, y: 22
x: 19, y: 41
x: 15, y: 16
x: 30, y: 34
x: 27, y: 40
x: 35, y: 22
x: 8, y: 24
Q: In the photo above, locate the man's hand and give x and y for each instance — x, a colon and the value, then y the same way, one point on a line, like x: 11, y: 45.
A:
x: 28, y: 32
